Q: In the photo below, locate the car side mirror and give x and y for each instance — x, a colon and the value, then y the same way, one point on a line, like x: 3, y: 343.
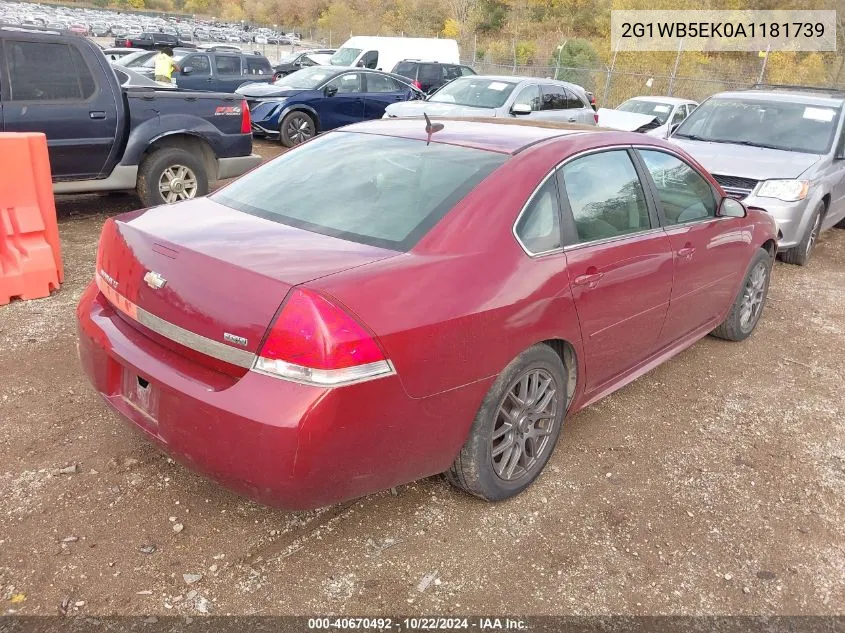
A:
x: 331, y: 91
x: 521, y: 109
x: 187, y: 70
x: 731, y: 208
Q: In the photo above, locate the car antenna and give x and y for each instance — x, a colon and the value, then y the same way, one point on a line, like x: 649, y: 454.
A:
x: 431, y: 128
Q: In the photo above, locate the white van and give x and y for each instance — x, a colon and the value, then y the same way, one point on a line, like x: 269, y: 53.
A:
x: 383, y: 53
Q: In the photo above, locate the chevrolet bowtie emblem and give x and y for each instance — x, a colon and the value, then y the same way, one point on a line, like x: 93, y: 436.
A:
x: 154, y: 280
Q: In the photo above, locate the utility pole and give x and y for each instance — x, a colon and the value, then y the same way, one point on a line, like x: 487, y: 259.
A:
x: 606, y: 97
x: 763, y: 67
x: 675, y: 69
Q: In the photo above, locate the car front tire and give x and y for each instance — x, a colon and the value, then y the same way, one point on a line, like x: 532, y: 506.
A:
x: 748, y: 305
x: 799, y: 255
x: 516, y: 427
x: 296, y: 128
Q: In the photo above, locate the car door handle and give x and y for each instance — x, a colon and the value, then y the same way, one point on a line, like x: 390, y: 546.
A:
x: 686, y: 252
x: 590, y: 278
x: 210, y: 79
x: 573, y: 120
x: 97, y: 114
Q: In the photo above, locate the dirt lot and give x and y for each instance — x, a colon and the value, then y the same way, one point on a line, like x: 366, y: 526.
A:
x: 715, y: 484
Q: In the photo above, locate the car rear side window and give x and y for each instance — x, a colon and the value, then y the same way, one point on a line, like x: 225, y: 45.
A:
x: 228, y: 64
x: 406, y: 69
x: 684, y: 194
x: 47, y: 72
x: 605, y: 196
x: 538, y: 228
x: 258, y: 66
x: 376, y: 190
x: 381, y: 83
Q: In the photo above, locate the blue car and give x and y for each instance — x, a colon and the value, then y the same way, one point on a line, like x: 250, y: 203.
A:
x: 321, y: 98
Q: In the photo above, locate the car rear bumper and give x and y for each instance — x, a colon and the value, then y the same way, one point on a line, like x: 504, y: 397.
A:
x: 236, y: 165
x: 275, y: 441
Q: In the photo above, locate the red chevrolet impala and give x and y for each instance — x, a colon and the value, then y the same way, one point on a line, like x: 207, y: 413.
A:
x: 391, y: 300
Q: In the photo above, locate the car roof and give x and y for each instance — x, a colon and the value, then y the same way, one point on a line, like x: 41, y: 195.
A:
x: 507, y: 136
x: 809, y: 97
x: 511, y: 79
x: 672, y: 100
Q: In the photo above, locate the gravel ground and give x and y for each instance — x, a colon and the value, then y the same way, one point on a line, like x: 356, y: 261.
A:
x: 713, y: 485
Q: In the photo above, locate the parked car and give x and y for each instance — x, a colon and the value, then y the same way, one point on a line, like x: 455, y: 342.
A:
x: 167, y: 145
x: 780, y: 148
x: 655, y: 116
x: 485, y: 96
x: 321, y: 98
x: 149, y: 41
x: 79, y: 29
x: 221, y: 70
x: 301, y: 59
x: 366, y: 308
x: 383, y: 53
x: 429, y: 76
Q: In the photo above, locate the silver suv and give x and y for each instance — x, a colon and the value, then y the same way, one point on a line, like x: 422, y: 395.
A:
x: 779, y: 148
x: 486, y: 96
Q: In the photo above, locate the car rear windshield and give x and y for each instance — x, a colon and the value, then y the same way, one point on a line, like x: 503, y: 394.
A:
x: 406, y: 69
x: 786, y: 125
x: 479, y: 92
x: 376, y: 190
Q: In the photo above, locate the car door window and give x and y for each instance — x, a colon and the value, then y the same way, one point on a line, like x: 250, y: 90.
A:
x: 690, y: 108
x: 554, y: 98
x: 430, y: 75
x: 451, y: 72
x: 227, y: 64
x: 538, y: 227
x: 573, y: 102
x: 47, y: 72
x: 347, y: 83
x: 530, y: 96
x: 199, y: 64
x: 466, y: 70
x: 684, y: 194
x: 258, y: 66
x: 680, y: 115
x: 369, y: 60
x: 605, y: 196
x: 381, y: 83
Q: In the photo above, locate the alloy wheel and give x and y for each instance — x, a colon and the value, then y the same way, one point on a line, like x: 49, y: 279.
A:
x: 177, y: 183
x: 814, y: 233
x: 524, y: 424
x: 753, y: 296
x: 299, y: 128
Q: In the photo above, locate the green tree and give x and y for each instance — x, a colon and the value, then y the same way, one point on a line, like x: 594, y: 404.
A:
x: 571, y: 58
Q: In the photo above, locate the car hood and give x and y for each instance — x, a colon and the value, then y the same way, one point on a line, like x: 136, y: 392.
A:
x: 417, y: 108
x: 758, y: 163
x: 626, y: 121
x: 259, y: 90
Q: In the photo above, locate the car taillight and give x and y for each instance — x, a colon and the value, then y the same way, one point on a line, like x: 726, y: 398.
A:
x: 596, y: 117
x: 246, y: 119
x: 416, y: 84
x: 314, y: 341
x: 128, y: 43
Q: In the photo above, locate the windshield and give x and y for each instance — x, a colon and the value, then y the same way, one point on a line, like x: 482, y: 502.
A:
x: 794, y: 127
x: 345, y: 56
x: 479, y: 92
x: 306, y: 79
x: 654, y: 108
x: 384, y: 191
x: 289, y: 59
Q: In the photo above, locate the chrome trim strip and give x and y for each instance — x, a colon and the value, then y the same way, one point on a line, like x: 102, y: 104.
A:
x: 191, y: 340
x: 615, y: 238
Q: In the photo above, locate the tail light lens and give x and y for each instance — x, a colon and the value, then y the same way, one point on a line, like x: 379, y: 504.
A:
x: 314, y: 341
x: 416, y: 84
x: 128, y: 43
x: 246, y: 118
x: 596, y: 117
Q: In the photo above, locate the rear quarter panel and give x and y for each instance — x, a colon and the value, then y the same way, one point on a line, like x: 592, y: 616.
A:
x: 155, y: 114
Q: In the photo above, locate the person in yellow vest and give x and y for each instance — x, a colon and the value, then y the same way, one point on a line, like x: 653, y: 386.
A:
x: 165, y: 65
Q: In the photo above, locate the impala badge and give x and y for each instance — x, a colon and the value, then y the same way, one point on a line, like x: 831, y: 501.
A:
x: 154, y: 280
x: 237, y: 340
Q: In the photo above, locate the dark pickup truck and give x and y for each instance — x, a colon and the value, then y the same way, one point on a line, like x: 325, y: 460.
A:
x: 168, y: 145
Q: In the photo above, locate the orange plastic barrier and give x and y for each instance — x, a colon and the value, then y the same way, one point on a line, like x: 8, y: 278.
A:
x: 30, y: 252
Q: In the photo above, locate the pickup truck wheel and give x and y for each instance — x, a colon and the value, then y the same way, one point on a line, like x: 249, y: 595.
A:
x: 297, y: 127
x: 171, y: 175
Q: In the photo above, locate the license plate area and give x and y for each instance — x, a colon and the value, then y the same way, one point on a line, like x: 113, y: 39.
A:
x: 140, y: 394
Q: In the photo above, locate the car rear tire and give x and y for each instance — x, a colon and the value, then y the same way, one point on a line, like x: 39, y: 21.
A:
x: 799, y: 255
x: 171, y: 175
x: 296, y: 128
x: 516, y: 427
x: 748, y: 306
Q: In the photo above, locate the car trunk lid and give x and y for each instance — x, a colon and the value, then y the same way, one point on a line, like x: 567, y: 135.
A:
x: 209, y: 278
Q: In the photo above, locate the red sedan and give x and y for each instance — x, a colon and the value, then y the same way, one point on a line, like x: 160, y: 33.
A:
x: 388, y: 302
